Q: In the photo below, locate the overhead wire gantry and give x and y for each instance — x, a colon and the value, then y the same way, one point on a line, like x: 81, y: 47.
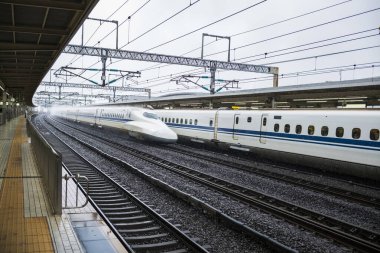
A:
x: 212, y: 65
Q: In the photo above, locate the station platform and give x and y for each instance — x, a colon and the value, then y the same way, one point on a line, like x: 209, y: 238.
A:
x: 27, y: 223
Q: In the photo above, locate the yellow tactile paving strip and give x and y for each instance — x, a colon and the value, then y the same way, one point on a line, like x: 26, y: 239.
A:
x: 17, y: 233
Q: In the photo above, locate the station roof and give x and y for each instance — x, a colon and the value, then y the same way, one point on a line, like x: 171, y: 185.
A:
x: 32, y: 35
x: 316, y: 95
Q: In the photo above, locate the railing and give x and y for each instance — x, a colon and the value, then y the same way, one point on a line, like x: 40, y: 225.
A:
x: 49, y: 163
x: 77, y: 177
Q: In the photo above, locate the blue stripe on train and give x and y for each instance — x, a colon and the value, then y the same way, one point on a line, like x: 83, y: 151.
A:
x: 331, y: 141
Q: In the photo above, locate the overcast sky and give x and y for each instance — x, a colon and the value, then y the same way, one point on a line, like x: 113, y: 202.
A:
x: 204, y: 12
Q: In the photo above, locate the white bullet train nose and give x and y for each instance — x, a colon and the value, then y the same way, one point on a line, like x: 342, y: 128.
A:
x: 165, y: 135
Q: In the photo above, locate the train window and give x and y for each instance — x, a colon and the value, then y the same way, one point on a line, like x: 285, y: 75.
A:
x: 374, y: 134
x: 324, y: 131
x: 150, y: 115
x: 287, y: 128
x: 356, y: 133
x: 176, y: 120
x: 211, y: 122
x: 236, y: 120
x: 186, y: 121
x: 172, y: 120
x: 190, y: 121
x: 249, y: 119
x: 310, y: 130
x: 195, y: 122
x: 265, y: 121
x: 181, y: 121
x: 339, y: 132
x: 298, y: 129
x: 276, y: 127
x: 165, y: 120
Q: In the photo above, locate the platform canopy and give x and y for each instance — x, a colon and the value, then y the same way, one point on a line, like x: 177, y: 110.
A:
x: 32, y: 35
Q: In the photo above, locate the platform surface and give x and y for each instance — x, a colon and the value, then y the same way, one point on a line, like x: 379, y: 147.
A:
x: 26, y: 220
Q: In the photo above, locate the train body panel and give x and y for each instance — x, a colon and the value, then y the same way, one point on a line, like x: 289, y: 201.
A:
x: 346, y: 142
x: 137, y: 122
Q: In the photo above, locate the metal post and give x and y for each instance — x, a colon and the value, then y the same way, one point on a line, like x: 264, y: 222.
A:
x: 212, y: 83
x: 274, y: 103
x: 117, y: 34
x: 275, y: 77
x: 217, y: 37
x: 203, y: 39
x: 114, y: 94
x: 104, y: 59
x: 82, y: 34
x: 229, y: 48
x: 59, y: 92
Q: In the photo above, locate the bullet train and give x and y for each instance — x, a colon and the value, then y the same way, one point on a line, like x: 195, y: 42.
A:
x: 139, y: 123
x: 341, y: 141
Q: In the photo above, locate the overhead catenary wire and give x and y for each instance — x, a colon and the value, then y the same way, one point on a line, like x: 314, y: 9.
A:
x: 72, y: 61
x: 255, y: 29
x: 167, y: 19
x: 149, y: 81
x: 302, y: 73
x: 319, y: 70
x: 317, y: 56
x: 267, y: 54
x: 297, y: 31
x: 125, y: 20
x: 159, y: 24
x: 134, y: 13
x: 210, y: 24
x: 324, y: 55
x: 285, y: 20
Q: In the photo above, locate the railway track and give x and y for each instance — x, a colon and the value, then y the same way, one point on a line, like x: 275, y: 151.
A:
x: 352, y: 236
x: 142, y: 228
x: 349, y: 195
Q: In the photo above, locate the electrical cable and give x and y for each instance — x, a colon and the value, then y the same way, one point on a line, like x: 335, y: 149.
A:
x: 322, y: 55
x: 311, y: 43
x: 210, y: 24
x: 164, y: 77
x: 113, y: 13
x: 297, y: 31
x: 258, y: 28
x: 305, y: 49
x: 164, y: 21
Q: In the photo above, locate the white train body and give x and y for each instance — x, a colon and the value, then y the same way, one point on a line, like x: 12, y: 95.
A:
x: 138, y: 122
x: 345, y: 142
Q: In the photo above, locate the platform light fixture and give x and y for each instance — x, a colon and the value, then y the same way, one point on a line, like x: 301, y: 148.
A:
x: 317, y: 99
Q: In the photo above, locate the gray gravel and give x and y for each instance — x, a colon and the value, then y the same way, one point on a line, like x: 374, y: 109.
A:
x: 282, y: 231
x: 210, y: 232
x: 354, y: 213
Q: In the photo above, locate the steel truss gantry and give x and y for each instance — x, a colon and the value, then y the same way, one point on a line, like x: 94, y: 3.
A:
x: 91, y: 86
x: 213, y: 65
x: 188, y: 79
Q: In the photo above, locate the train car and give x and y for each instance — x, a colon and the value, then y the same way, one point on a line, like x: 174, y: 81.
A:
x: 341, y: 141
x: 139, y: 123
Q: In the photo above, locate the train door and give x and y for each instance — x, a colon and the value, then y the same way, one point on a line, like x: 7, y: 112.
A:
x: 263, y: 127
x: 235, y: 127
x: 216, y: 125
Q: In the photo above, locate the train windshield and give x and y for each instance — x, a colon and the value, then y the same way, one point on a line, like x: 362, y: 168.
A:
x: 150, y: 115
